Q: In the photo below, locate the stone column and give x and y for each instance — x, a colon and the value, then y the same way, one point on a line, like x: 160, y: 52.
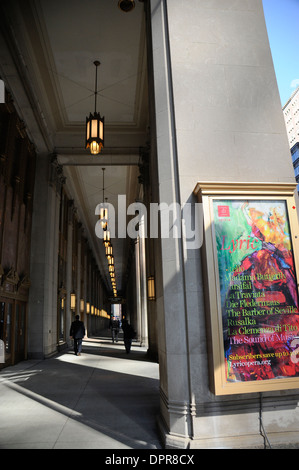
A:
x: 78, y: 290
x: 68, y: 317
x: 142, y: 283
x: 42, y: 324
x: 171, y: 305
x: 138, y: 291
x: 217, y: 118
x: 84, y: 293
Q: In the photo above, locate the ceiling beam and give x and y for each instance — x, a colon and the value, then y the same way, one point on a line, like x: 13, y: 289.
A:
x: 91, y: 160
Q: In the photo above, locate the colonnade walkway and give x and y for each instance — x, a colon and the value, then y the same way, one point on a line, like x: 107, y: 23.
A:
x: 103, y: 399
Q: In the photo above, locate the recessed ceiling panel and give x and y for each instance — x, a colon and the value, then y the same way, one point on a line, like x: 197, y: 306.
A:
x: 80, y: 32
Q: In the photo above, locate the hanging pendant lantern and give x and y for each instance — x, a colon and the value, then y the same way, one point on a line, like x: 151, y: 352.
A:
x: 109, y: 252
x: 104, y: 217
x: 104, y: 210
x: 106, y: 238
x: 95, y: 125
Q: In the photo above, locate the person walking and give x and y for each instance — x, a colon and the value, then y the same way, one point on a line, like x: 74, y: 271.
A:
x: 77, y: 332
x: 129, y: 334
x: 114, y: 329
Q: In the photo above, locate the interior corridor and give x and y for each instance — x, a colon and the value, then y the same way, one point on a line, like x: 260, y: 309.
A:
x: 103, y: 399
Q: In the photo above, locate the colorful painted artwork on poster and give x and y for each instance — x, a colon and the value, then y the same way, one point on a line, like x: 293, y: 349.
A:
x: 258, y: 286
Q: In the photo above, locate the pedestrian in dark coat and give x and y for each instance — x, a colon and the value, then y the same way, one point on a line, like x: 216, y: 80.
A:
x: 114, y: 329
x: 129, y: 334
x: 77, y: 332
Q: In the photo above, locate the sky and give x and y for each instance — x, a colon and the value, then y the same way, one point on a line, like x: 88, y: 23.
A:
x: 282, y: 20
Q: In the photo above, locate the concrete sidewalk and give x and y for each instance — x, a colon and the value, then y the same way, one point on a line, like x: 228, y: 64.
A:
x: 103, y: 399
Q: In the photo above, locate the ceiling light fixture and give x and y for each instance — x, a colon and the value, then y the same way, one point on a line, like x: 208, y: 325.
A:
x: 104, y: 210
x: 95, y: 124
x: 126, y: 5
x: 103, y: 216
x: 151, y: 288
x: 73, y: 301
x: 109, y: 252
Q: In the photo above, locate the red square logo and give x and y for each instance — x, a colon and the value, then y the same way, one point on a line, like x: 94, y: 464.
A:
x: 223, y: 211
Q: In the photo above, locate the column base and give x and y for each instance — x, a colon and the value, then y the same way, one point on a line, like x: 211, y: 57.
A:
x: 170, y: 440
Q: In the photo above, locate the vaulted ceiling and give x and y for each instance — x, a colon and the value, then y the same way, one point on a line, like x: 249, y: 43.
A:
x: 47, y: 54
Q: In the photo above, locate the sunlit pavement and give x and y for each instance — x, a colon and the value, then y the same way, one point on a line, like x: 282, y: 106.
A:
x: 103, y: 399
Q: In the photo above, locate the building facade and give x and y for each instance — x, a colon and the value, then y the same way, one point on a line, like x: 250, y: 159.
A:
x: 291, y: 117
x: 295, y: 158
x: 212, y: 120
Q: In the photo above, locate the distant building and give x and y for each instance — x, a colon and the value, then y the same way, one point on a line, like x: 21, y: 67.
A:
x: 190, y: 119
x: 291, y: 117
x: 295, y: 158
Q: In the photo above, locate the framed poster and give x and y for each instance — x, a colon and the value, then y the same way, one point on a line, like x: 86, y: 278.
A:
x: 251, y: 256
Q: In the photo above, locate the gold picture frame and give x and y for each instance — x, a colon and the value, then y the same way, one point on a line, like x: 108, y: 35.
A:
x: 257, y: 367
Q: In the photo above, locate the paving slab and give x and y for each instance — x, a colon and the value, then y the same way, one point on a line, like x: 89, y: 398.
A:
x: 103, y: 399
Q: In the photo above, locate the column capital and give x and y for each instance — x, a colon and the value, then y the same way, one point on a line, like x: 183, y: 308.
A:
x: 57, y: 178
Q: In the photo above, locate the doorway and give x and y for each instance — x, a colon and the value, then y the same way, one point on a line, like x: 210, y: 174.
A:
x: 6, y: 310
x: 20, y: 331
x: 13, y: 314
